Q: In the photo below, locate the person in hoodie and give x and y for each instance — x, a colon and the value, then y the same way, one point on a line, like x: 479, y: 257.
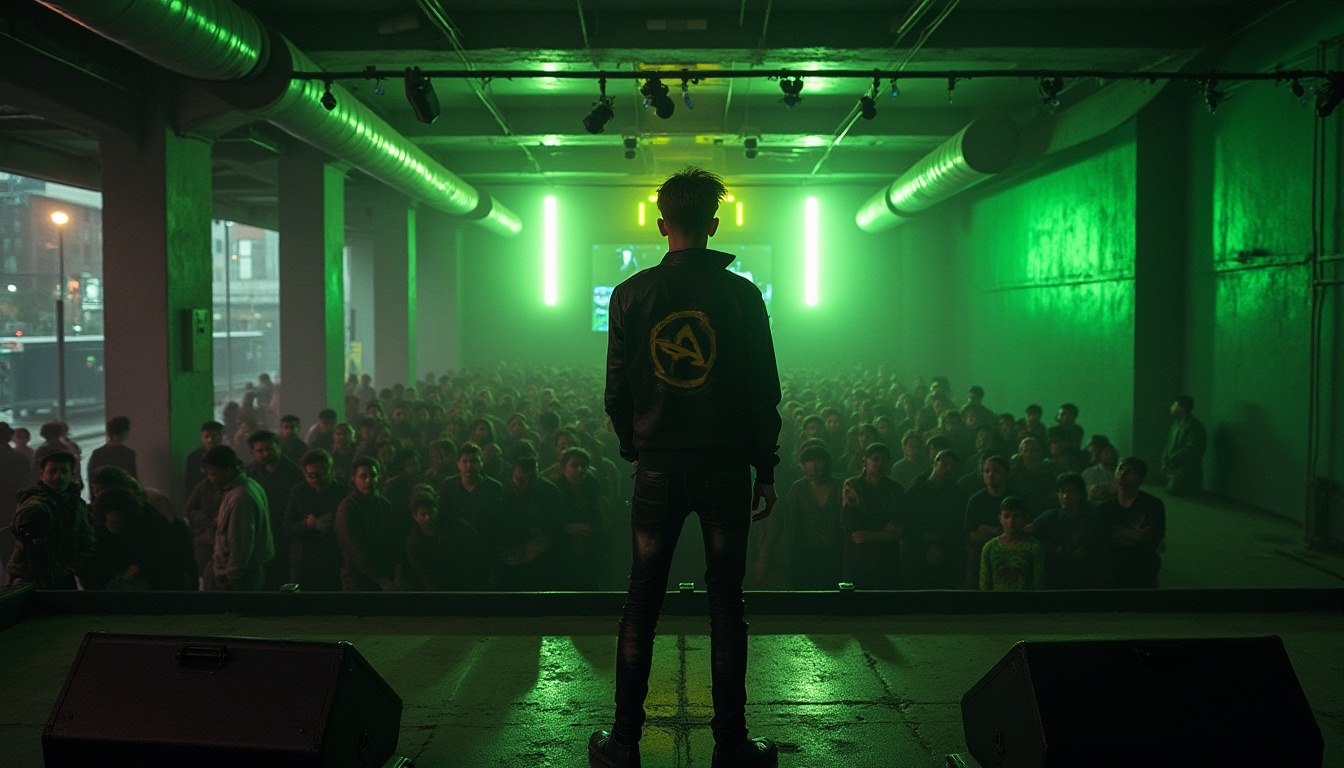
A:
x: 52, y: 531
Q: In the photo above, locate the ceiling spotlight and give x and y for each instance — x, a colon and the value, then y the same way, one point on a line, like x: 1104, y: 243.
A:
x: 328, y: 101
x: 894, y: 90
x: 1212, y: 95
x: 1296, y: 89
x: 868, y: 103
x: 419, y: 92
x: 951, y: 86
x: 686, y: 93
x: 378, y: 89
x: 629, y: 143
x: 655, y: 96
x: 791, y: 88
x: 1329, y: 94
x: 867, y: 107
x: 750, y: 144
x: 597, y: 120
x: 1049, y: 88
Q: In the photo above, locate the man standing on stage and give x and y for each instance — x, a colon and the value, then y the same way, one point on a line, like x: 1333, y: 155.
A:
x: 693, y: 394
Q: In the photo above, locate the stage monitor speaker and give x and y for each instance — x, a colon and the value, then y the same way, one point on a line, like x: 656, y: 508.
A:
x: 142, y: 700
x: 1227, y: 702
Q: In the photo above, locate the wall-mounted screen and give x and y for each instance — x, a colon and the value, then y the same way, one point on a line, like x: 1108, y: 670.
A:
x: 614, y: 263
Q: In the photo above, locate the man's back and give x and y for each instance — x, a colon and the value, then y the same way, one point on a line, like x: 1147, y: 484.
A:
x: 692, y: 380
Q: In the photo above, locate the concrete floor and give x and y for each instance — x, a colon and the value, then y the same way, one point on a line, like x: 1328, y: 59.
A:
x: 833, y: 691
x: 873, y: 691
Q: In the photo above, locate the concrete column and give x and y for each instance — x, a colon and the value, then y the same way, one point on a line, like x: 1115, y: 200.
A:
x: 157, y: 273
x: 394, y: 289
x: 312, y: 284
x: 1161, y: 246
x: 437, y: 302
x: 361, y: 302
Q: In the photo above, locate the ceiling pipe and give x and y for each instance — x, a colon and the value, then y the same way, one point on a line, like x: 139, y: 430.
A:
x: 251, y: 69
x: 985, y: 147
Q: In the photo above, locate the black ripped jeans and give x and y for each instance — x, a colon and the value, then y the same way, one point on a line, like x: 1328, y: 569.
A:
x: 659, y: 508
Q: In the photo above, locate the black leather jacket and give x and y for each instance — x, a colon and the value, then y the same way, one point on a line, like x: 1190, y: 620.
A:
x: 692, y: 384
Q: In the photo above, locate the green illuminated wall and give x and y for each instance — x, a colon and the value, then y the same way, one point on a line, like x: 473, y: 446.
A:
x: 1028, y: 291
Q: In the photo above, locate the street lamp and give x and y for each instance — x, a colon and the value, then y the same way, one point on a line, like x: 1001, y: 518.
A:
x: 60, y: 218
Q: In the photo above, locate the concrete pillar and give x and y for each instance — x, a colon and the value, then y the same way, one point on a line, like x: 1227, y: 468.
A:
x: 1161, y: 245
x: 362, y: 342
x: 437, y: 302
x: 157, y: 273
x: 312, y: 284
x: 394, y: 289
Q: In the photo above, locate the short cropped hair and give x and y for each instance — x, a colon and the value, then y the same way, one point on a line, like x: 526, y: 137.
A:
x: 212, y: 426
x: 1014, y: 503
x: 1187, y: 402
x: 1071, y: 480
x: 874, y: 449
x: 1138, y: 464
x: 262, y: 436
x: 689, y: 199
x: 118, y: 425
x: 220, y: 457
x: 576, y: 453
x: 316, y: 456
x: 289, y: 418
x: 65, y: 457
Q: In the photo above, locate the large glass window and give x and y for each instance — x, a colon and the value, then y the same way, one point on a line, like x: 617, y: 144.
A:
x: 246, y: 312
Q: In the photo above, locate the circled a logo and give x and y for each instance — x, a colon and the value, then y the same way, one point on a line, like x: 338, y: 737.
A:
x: 683, y: 347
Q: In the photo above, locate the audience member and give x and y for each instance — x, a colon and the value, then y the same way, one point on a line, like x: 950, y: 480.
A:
x: 212, y: 434
x: 932, y: 550
x: 1138, y: 527
x: 244, y: 543
x: 1183, y: 456
x: 115, y: 452
x: 872, y: 522
x: 52, y: 530
x: 1013, y: 560
x: 291, y: 444
x: 314, y: 557
x: 277, y: 475
x: 1074, y: 539
x: 371, y: 539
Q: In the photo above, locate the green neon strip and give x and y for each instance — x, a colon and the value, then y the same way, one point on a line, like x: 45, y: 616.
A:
x: 811, y: 250
x: 549, y: 252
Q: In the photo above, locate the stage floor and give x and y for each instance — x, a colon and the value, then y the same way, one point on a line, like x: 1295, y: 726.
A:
x: 835, y: 692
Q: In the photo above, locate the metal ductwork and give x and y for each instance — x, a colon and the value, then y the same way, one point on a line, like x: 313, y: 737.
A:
x: 985, y: 147
x: 220, y: 42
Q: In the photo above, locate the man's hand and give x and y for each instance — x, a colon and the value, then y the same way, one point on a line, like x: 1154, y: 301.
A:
x: 761, y: 493
x: 849, y: 496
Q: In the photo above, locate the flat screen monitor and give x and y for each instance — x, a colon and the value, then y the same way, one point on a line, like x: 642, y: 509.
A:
x: 614, y: 263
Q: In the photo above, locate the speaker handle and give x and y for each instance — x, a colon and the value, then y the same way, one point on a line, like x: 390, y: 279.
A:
x: 202, y: 658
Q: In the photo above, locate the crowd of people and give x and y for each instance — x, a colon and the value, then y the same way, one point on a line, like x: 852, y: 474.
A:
x: 507, y: 479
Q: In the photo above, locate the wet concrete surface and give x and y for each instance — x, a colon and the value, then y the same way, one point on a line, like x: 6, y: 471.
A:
x: 833, y: 691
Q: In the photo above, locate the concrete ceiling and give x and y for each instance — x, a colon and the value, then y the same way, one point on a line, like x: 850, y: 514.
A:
x: 529, y: 130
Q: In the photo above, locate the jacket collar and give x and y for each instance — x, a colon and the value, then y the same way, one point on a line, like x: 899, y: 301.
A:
x: 699, y: 257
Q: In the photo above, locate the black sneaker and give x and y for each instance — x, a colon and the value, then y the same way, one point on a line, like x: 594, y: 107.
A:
x: 753, y: 753
x: 604, y: 752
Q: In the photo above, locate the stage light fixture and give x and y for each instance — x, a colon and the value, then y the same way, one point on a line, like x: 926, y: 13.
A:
x: 629, y: 143
x: 895, y: 92
x: 792, y: 89
x: 378, y: 89
x: 1050, y: 88
x: 867, y: 103
x: 686, y: 93
x: 655, y: 96
x: 1329, y: 94
x: 328, y: 101
x: 951, y: 86
x: 597, y: 120
x: 867, y: 107
x: 420, y: 93
x: 1212, y: 95
x: 750, y: 145
x: 1296, y: 89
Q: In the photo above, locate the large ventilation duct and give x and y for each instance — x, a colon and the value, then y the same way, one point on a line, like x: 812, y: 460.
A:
x: 220, y: 42
x: 985, y: 147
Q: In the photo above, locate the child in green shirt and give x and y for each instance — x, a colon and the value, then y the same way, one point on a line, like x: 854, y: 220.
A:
x: 1013, y: 560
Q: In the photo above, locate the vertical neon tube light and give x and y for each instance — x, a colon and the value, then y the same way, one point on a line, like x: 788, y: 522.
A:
x: 642, y: 214
x: 549, y: 248
x: 811, y: 250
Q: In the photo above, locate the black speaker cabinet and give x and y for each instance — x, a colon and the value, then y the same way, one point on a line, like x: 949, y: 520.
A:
x: 155, y: 700
x: 1226, y: 702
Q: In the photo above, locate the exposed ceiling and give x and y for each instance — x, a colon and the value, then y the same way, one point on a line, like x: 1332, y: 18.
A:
x: 530, y: 130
